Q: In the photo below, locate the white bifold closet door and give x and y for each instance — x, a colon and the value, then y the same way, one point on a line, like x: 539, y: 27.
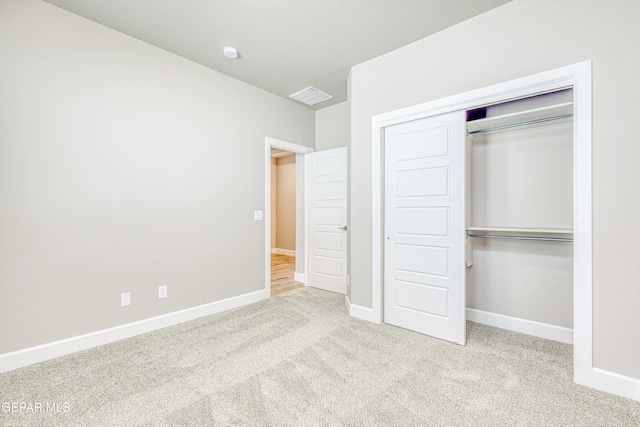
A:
x: 424, y: 240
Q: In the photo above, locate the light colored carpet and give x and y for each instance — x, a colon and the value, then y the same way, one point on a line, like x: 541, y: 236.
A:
x: 298, y: 359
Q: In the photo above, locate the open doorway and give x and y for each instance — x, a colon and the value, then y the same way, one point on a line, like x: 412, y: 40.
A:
x: 285, y: 215
x: 283, y: 221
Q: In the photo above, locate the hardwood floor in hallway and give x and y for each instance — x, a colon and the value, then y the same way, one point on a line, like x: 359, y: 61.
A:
x: 282, y: 272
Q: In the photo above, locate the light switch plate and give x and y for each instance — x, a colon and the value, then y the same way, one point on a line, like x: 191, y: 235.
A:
x: 125, y: 299
x: 258, y: 215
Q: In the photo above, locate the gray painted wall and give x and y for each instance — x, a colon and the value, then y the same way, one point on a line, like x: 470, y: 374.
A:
x: 521, y: 38
x: 333, y: 129
x: 123, y: 167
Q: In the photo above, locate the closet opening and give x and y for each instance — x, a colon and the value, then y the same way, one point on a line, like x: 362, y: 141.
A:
x: 539, y: 195
x: 520, y: 215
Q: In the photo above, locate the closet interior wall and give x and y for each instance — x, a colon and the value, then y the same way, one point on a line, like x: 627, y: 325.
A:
x: 520, y: 183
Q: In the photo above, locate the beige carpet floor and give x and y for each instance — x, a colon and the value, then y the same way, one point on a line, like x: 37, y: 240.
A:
x: 298, y: 359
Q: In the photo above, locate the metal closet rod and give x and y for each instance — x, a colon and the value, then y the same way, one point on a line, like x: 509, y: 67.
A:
x: 530, y: 122
x: 544, y: 239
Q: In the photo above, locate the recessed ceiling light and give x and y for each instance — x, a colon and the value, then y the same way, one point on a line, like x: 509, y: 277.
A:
x: 230, y: 52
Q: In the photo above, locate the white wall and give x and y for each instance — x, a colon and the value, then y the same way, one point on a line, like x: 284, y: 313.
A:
x: 521, y: 38
x: 123, y: 167
x: 286, y: 203
x: 332, y: 127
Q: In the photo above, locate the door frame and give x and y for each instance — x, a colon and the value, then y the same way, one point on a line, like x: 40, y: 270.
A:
x: 577, y: 76
x: 270, y: 143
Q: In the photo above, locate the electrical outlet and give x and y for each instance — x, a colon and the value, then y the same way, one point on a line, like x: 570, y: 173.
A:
x: 162, y: 292
x: 258, y: 215
x: 125, y: 299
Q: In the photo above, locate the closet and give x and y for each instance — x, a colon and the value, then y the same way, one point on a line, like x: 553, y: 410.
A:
x: 520, y: 214
x: 482, y: 211
x: 479, y: 219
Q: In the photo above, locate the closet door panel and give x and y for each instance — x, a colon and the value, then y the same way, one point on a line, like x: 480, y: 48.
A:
x: 422, y: 259
x: 424, y: 279
x: 432, y: 221
x: 424, y: 182
x: 428, y: 299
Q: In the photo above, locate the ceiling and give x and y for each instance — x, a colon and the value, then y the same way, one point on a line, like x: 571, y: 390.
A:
x: 284, y: 45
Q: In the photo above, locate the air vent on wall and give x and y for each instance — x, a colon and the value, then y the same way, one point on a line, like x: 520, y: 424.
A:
x: 310, y: 96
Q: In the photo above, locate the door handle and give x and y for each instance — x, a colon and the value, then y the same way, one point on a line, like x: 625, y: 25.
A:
x: 344, y: 227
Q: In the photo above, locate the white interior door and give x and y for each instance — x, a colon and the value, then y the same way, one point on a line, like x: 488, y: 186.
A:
x: 424, y: 265
x: 328, y: 220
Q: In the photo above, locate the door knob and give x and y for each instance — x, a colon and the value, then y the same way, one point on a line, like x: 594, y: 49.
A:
x: 344, y: 227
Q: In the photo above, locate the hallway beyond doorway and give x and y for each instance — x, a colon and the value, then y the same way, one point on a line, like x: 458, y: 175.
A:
x: 282, y: 271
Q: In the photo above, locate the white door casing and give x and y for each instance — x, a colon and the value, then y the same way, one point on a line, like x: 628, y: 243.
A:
x: 327, y: 177
x: 424, y: 240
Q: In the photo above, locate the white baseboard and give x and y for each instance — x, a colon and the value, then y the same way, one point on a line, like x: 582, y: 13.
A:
x: 613, y: 383
x: 283, y: 252
x: 28, y: 356
x: 360, y: 312
x: 538, y: 329
x: 300, y: 277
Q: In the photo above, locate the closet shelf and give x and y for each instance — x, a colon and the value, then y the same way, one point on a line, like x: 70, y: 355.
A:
x: 522, y: 230
x: 559, y: 111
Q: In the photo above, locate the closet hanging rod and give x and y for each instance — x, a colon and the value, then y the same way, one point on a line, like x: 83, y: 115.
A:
x: 544, y: 239
x: 513, y: 125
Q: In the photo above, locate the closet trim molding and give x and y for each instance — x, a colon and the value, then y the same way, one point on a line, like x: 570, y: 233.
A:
x: 576, y: 76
